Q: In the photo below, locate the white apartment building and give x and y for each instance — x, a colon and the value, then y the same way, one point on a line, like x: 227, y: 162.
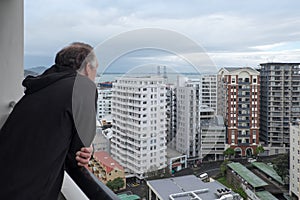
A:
x: 188, y: 132
x: 208, y: 91
x: 295, y: 159
x: 139, y: 124
x: 190, y: 96
x: 104, y: 102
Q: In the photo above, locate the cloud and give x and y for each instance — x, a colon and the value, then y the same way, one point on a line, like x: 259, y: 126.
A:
x: 253, y: 59
x: 268, y: 47
x: 231, y: 28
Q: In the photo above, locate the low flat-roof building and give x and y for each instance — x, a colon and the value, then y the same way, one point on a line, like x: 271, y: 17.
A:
x: 239, y: 176
x: 176, y: 161
x: 102, y: 139
x: 269, y: 171
x: 105, y: 168
x: 188, y: 187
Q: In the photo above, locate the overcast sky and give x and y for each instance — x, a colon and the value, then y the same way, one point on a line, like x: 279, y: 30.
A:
x: 232, y: 32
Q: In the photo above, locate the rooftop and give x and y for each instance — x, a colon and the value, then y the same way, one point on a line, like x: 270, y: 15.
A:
x: 232, y: 69
x: 265, y: 195
x: 189, y: 187
x: 269, y: 171
x: 104, y: 158
x: 278, y: 63
x: 247, y: 175
x: 172, y: 153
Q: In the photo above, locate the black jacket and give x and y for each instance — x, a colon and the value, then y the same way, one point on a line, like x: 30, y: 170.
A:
x: 51, y: 122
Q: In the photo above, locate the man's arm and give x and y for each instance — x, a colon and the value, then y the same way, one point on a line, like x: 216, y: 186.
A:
x: 84, y: 107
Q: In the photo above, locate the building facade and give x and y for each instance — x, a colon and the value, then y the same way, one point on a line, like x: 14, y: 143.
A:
x: 171, y: 116
x: 239, y: 93
x: 212, y: 135
x: 280, y: 104
x: 103, y: 135
x: 139, y: 124
x: 295, y: 159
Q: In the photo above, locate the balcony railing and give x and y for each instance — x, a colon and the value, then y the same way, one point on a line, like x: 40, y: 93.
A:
x: 84, y: 180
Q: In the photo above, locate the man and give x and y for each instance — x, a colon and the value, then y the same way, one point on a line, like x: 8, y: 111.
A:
x: 51, y: 127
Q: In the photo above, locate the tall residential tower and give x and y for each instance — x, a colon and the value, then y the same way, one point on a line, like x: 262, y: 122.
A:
x: 239, y: 104
x: 139, y: 124
x: 280, y: 104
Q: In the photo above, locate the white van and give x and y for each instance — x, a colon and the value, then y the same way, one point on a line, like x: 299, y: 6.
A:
x: 203, y: 176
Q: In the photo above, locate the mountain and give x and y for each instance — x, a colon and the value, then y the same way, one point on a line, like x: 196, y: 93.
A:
x: 37, y: 70
x: 28, y: 72
x: 34, y: 71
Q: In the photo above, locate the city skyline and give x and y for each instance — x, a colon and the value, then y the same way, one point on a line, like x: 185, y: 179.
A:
x: 142, y: 107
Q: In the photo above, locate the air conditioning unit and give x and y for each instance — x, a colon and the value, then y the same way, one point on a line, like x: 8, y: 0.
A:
x: 227, y: 197
x: 223, y: 191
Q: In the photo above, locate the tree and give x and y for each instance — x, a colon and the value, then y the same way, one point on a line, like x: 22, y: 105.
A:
x: 259, y: 149
x: 281, y: 166
x: 229, y: 152
x: 116, y: 184
x: 223, y: 167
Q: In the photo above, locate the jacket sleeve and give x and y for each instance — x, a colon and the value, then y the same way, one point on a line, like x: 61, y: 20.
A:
x: 84, y: 117
x: 84, y: 109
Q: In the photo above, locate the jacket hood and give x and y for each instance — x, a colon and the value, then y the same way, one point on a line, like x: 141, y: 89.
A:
x: 51, y: 75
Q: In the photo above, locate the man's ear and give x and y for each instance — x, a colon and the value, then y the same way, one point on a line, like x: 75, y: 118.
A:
x: 88, y: 69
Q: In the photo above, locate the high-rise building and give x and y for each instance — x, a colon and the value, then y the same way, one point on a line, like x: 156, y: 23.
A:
x: 208, y: 90
x: 280, y: 104
x: 191, y: 95
x: 239, y: 104
x: 139, y: 124
x: 188, y: 121
x: 295, y: 159
x: 104, y: 100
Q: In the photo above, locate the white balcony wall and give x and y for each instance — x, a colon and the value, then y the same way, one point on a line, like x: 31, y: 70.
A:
x: 11, y: 54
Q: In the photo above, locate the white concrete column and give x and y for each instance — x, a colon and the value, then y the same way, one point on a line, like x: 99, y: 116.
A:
x: 11, y: 54
x: 150, y: 193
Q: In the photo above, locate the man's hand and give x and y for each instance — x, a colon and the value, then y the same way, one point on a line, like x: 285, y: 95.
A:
x: 84, y: 155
